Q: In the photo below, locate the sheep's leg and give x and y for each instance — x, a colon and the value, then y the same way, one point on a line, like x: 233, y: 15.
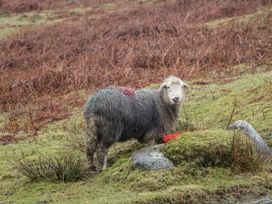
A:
x: 151, y: 142
x: 150, y: 137
x: 92, y: 141
x: 102, y: 157
x: 90, y: 150
x: 105, y: 162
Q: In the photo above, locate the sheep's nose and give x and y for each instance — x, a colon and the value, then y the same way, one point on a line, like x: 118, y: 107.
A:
x: 176, y: 99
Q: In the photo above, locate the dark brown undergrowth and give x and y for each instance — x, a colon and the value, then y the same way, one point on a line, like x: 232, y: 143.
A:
x: 131, y: 47
x: 19, y: 6
x: 8, y: 139
x: 30, y: 118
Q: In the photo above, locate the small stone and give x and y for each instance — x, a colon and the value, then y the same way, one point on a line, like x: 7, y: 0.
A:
x: 151, y: 158
x: 265, y: 200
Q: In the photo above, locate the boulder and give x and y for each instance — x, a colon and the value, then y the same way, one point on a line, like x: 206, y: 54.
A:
x: 151, y: 158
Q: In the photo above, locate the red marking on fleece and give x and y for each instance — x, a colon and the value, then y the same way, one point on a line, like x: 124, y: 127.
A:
x: 167, y: 138
x: 127, y: 91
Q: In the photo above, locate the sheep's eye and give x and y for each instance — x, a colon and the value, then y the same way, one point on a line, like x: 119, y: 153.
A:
x: 168, y: 87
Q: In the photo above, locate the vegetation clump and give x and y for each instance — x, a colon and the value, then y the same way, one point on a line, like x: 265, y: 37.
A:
x: 215, y: 148
x: 64, y: 167
x: 205, y: 148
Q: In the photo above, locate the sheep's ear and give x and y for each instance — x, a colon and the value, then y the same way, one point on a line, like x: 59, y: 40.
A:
x: 163, y: 86
x: 162, y: 89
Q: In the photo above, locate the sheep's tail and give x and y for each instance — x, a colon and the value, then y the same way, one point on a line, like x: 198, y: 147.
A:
x: 91, y: 128
x: 91, y: 140
x: 253, y: 135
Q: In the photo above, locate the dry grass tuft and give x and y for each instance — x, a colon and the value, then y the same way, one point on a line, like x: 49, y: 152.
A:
x: 244, y: 155
x: 65, y: 167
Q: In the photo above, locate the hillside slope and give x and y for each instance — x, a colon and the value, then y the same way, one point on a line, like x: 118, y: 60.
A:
x: 203, y: 171
x: 51, y: 60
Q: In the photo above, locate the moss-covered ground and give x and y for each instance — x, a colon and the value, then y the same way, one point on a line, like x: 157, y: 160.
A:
x: 202, y: 154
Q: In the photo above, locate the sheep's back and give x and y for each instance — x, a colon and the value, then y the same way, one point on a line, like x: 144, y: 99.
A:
x: 109, y: 103
x: 145, y: 114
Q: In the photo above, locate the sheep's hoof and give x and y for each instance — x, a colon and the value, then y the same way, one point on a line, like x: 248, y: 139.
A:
x: 98, y: 169
x: 91, y: 167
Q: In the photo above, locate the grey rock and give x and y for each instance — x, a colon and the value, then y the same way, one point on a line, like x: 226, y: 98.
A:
x: 265, y: 200
x: 151, y: 158
x: 254, y: 136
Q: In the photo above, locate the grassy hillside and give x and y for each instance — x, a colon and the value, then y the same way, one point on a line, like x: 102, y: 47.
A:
x: 53, y: 54
x: 248, y: 97
x: 202, y: 172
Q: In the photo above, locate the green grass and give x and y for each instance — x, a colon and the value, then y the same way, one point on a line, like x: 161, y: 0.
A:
x: 108, y: 6
x: 202, y: 171
x: 30, y: 18
x: 78, y: 10
x: 3, y: 118
x: 261, y: 14
x: 12, y: 24
x: 210, y: 106
x: 6, y: 32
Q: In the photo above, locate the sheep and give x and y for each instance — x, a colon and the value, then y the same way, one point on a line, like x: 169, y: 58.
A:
x: 117, y: 114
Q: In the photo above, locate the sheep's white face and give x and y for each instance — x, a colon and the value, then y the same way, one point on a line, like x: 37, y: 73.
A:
x: 174, y: 89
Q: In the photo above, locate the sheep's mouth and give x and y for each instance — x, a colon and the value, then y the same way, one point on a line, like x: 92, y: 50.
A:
x: 175, y: 102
